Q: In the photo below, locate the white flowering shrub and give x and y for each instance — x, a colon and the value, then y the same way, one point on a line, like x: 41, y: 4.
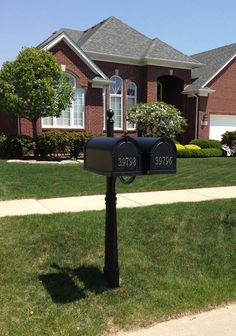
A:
x: 157, y: 119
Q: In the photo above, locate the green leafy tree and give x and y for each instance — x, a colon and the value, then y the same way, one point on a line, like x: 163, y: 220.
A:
x: 33, y: 86
x: 157, y: 119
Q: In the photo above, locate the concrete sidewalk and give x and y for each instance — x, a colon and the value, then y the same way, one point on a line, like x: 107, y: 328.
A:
x: 96, y: 202
x: 218, y: 322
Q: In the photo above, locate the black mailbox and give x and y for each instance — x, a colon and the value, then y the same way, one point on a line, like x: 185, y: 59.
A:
x: 158, y: 155
x: 113, y: 156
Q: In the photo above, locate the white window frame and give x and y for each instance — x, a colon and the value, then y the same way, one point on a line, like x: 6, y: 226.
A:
x: 135, y: 102
x: 71, y: 112
x: 120, y: 96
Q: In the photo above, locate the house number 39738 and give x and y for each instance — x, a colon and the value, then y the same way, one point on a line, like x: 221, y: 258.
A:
x: 128, y: 161
x: 163, y: 160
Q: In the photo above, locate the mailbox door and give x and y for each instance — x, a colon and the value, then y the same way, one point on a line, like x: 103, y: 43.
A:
x: 127, y: 158
x: 163, y: 157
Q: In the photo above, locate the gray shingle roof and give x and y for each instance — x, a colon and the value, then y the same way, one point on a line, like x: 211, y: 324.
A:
x: 112, y: 37
x: 214, y: 60
x: 161, y: 50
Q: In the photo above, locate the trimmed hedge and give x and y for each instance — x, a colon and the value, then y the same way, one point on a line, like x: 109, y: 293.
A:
x: 17, y: 146
x: 206, y: 143
x: 204, y: 152
x: 53, y: 143
x: 192, y: 147
x: 58, y: 143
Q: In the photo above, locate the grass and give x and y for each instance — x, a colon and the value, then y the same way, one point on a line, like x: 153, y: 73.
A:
x: 46, y: 181
x: 174, y: 259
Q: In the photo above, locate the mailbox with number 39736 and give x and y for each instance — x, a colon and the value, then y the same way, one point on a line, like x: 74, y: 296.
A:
x: 158, y: 155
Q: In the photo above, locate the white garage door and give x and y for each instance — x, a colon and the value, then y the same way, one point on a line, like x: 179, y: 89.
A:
x: 219, y: 124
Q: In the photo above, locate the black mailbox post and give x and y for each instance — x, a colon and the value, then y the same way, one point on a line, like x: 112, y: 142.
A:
x: 119, y: 157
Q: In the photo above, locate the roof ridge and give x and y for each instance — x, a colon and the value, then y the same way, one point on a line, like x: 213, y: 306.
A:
x: 91, y: 31
x: 214, y: 49
x: 150, y: 46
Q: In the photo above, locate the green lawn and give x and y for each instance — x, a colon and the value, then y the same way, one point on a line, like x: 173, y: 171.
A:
x: 46, y: 181
x: 174, y: 259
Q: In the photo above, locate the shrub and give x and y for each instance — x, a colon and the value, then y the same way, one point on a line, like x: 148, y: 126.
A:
x: 59, y: 143
x: 78, y: 142
x: 179, y: 146
x: 19, y: 146
x: 192, y: 147
x: 205, y: 152
x: 54, y: 143
x: 229, y: 139
x: 3, y: 144
x: 206, y: 143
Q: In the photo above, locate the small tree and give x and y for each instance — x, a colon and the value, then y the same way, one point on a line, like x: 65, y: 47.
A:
x: 33, y: 86
x: 157, y: 119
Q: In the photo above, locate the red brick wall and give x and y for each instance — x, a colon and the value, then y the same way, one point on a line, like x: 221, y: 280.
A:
x: 145, y: 78
x: 222, y: 101
x: 8, y: 124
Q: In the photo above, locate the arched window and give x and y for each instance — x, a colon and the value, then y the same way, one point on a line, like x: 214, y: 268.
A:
x: 116, y: 101
x: 131, y: 100
x: 73, y: 116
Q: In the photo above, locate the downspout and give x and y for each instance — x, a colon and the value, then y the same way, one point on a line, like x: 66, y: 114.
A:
x: 196, y: 115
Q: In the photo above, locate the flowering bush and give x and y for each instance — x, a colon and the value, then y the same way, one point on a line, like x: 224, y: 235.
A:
x: 193, y: 147
x: 157, y: 119
x: 179, y: 147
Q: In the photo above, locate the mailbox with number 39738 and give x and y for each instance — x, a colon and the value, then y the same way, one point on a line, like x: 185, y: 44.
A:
x: 113, y: 156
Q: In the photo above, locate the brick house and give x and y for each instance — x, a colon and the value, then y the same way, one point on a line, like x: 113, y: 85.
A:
x: 212, y: 93
x: 111, y: 65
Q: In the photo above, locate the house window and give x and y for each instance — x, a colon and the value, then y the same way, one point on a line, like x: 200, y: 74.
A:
x: 159, y: 91
x: 73, y: 116
x: 131, y: 100
x: 116, y: 101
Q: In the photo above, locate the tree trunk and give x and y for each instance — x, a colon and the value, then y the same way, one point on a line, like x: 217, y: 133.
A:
x: 34, y: 128
x: 35, y: 134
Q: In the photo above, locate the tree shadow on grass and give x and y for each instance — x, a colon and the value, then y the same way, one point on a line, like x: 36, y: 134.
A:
x: 62, y: 287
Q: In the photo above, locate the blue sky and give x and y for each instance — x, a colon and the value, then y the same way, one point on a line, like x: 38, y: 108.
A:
x: 189, y: 26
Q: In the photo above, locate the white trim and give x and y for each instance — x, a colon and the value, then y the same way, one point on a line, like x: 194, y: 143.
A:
x: 142, y: 61
x: 121, y: 96
x: 202, y: 92
x: 64, y: 37
x: 218, y: 71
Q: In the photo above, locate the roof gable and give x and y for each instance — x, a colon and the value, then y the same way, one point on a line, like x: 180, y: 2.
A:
x: 214, y: 61
x: 64, y: 37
